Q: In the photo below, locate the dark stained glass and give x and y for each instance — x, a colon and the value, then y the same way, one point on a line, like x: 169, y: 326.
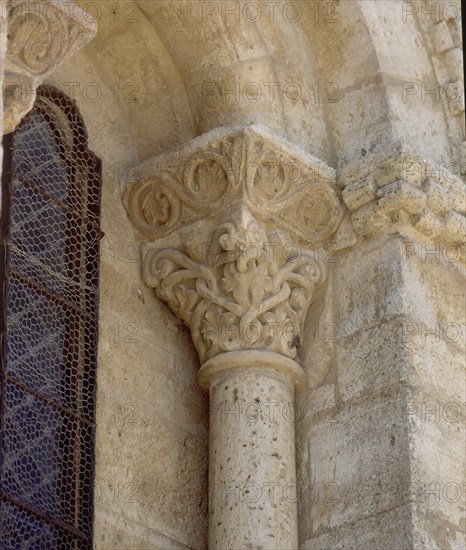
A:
x: 50, y: 244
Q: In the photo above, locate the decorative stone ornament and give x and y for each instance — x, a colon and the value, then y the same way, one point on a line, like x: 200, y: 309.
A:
x: 246, y: 166
x: 399, y: 188
x: 41, y: 35
x: 249, y: 289
x: 241, y: 278
x: 231, y: 223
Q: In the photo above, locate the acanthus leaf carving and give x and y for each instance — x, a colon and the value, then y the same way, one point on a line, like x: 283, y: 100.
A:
x: 248, y: 293
x: 242, y: 215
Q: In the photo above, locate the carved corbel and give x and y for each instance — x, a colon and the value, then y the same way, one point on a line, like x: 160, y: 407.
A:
x: 249, y: 215
x: 41, y: 35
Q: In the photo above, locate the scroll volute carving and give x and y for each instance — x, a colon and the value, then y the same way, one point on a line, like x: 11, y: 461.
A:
x: 247, y: 214
x: 41, y: 35
x: 245, y: 166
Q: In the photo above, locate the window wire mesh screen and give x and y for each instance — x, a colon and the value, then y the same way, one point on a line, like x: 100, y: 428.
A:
x: 49, y: 343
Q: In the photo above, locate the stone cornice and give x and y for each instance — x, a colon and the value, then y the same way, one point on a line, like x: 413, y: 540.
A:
x: 41, y: 35
x: 229, y: 222
x: 399, y: 189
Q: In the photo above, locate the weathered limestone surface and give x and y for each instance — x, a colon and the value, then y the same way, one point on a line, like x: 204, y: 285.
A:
x: 384, y: 435
x: 152, y: 416
x: 41, y: 35
x: 231, y: 277
x: 379, y: 427
x: 252, y: 481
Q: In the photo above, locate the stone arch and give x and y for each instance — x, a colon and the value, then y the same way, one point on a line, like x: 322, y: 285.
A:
x: 328, y: 81
x: 366, y: 60
x: 241, y: 68
x: 169, y: 57
x: 142, y: 107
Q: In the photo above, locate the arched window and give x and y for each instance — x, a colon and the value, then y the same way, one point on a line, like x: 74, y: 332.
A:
x: 50, y: 239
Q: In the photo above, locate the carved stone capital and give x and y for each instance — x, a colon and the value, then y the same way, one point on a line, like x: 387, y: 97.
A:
x: 231, y: 222
x: 225, y: 167
x: 244, y: 287
x: 41, y: 35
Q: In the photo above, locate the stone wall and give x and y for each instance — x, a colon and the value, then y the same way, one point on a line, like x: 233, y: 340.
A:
x: 381, y: 440
x: 379, y: 426
x: 151, y: 441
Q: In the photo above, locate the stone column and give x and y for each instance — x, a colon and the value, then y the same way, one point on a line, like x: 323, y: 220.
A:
x: 233, y: 223
x: 252, y: 473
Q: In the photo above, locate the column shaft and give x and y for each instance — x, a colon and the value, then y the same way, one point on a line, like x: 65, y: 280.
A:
x: 252, y: 469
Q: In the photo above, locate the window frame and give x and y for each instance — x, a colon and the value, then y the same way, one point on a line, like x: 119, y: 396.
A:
x: 85, y: 170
